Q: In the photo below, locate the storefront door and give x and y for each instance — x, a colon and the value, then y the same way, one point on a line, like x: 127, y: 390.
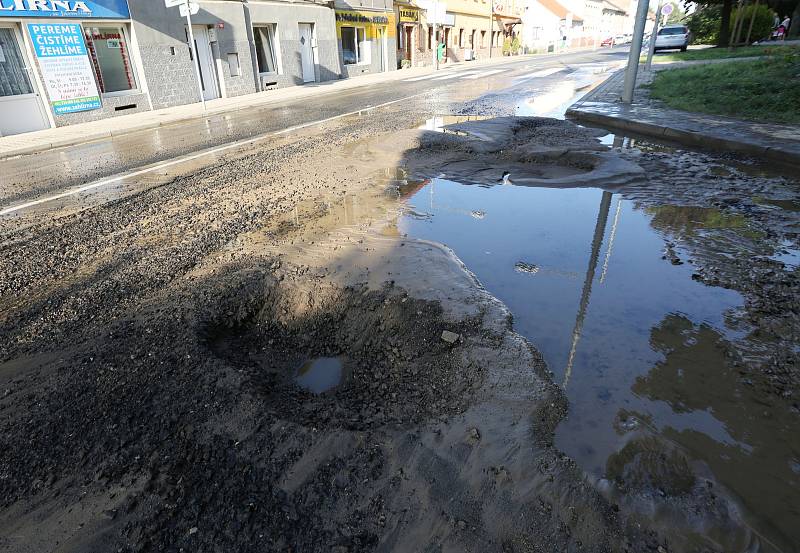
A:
x: 307, y: 52
x: 20, y: 105
x: 205, y: 61
x: 383, y: 45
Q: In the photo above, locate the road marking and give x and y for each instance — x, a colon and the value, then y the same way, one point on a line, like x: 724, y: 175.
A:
x: 422, y: 78
x: 486, y: 73
x: 197, y: 155
x: 454, y: 75
x: 542, y: 73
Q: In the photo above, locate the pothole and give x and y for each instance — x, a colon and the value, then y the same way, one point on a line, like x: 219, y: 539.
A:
x: 352, y: 357
x: 320, y: 375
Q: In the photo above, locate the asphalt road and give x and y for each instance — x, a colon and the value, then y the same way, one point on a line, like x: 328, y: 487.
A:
x: 43, y: 175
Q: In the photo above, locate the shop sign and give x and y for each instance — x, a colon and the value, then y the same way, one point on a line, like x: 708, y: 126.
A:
x: 409, y: 15
x: 87, y: 9
x: 355, y: 17
x: 66, y: 69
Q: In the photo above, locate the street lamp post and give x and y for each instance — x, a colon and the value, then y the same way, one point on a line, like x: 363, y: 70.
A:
x: 651, y: 50
x: 636, y: 50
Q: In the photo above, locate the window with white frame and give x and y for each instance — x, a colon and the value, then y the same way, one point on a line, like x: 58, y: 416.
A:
x: 110, y: 56
x: 355, y: 46
x: 266, y: 48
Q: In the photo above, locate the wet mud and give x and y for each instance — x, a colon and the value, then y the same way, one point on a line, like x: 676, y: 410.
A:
x: 151, y: 392
x: 695, y: 426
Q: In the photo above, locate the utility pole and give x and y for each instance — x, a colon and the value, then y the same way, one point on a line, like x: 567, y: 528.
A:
x: 187, y: 8
x: 435, y: 37
x: 651, y: 47
x: 636, y: 49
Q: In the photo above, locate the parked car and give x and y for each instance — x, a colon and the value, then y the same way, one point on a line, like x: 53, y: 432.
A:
x: 619, y: 39
x: 608, y: 41
x: 673, y: 37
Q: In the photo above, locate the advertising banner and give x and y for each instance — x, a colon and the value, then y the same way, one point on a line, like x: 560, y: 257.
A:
x: 67, y: 71
x: 87, y: 9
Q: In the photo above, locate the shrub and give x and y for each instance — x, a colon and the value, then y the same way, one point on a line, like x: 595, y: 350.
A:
x: 507, y: 46
x: 762, y: 25
x: 515, y: 45
x: 704, y: 23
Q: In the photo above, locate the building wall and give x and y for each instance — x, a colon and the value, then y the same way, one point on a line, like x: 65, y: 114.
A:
x: 165, y: 53
x: 469, y: 22
x: 286, y: 17
x: 419, y: 49
x: 132, y: 102
x: 386, y: 20
x: 541, y: 29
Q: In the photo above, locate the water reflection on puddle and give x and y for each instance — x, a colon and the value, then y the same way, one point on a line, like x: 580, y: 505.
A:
x: 320, y: 375
x: 639, y: 346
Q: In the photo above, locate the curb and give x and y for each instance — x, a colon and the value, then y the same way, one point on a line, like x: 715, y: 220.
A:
x: 696, y: 139
x: 688, y: 138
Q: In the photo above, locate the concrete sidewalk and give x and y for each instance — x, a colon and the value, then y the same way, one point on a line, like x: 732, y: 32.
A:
x: 33, y: 142
x: 602, y: 107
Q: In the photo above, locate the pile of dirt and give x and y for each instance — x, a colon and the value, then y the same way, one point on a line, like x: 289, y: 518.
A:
x: 525, y: 151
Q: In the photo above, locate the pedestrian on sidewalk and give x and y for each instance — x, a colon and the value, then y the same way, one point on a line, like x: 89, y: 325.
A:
x: 786, y: 23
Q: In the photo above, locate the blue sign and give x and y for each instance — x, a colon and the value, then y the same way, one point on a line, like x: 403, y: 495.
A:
x: 52, y: 40
x: 87, y: 9
x: 66, y: 69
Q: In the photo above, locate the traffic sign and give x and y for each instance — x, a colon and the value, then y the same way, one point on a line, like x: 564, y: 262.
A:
x: 190, y: 8
x: 667, y: 9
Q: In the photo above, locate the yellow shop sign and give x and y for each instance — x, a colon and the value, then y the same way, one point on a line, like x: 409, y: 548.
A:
x: 409, y: 15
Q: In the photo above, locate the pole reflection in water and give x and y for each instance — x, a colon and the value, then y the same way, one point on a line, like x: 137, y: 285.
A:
x: 597, y: 241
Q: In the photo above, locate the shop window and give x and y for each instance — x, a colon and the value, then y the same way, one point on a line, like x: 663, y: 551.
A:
x: 355, y: 46
x: 266, y: 48
x: 472, y: 39
x: 461, y: 38
x: 13, y: 76
x: 483, y: 39
x: 108, y: 50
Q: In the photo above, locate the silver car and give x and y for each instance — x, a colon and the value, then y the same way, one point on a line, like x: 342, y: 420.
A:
x: 673, y: 37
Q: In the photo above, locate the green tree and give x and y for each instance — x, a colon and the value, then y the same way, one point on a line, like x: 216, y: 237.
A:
x: 705, y: 11
x: 704, y: 24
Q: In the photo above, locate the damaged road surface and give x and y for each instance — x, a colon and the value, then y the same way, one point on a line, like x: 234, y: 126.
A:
x: 277, y: 349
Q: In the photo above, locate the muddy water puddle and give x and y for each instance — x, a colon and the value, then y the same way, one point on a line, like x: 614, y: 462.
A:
x: 642, y: 349
x: 320, y: 375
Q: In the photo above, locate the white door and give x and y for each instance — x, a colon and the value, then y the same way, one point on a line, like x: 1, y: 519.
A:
x: 21, y: 108
x: 205, y: 61
x: 307, y: 52
x: 382, y: 47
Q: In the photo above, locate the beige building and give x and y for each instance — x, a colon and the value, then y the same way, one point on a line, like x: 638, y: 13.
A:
x: 469, y: 37
x: 506, y: 22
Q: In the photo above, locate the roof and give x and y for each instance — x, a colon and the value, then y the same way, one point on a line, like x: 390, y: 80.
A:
x: 555, y: 8
x: 611, y: 6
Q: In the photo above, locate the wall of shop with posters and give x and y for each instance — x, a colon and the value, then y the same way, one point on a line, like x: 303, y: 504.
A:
x: 83, y: 55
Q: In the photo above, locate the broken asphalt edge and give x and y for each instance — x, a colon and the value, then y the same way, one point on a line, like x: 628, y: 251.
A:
x: 749, y: 145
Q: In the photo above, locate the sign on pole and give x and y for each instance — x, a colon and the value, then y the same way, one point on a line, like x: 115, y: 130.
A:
x: 187, y: 9
x: 65, y: 66
x: 667, y: 9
